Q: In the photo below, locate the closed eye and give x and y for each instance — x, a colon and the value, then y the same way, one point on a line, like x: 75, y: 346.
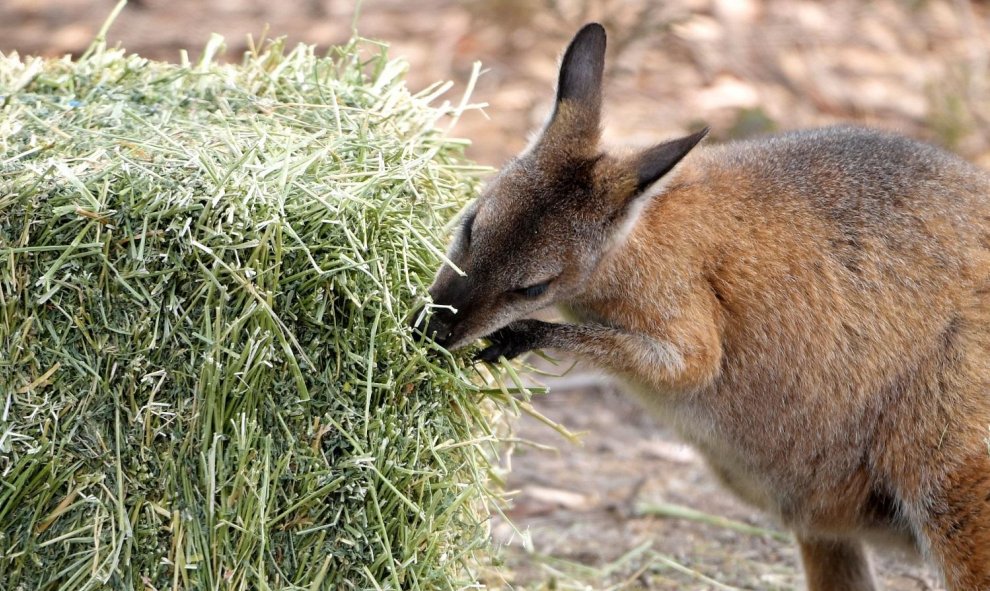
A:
x: 532, y: 291
x: 468, y: 223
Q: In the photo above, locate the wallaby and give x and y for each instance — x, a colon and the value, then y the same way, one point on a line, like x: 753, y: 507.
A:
x: 810, y: 310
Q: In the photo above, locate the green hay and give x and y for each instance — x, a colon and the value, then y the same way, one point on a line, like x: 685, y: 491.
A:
x: 206, y: 376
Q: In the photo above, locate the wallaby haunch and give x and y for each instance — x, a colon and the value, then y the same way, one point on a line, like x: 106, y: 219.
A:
x: 811, y: 311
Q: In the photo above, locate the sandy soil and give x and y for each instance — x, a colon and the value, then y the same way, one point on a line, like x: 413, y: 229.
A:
x: 744, y: 67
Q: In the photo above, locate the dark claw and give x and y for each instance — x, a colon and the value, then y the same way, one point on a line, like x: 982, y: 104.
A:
x: 491, y: 353
x: 512, y: 341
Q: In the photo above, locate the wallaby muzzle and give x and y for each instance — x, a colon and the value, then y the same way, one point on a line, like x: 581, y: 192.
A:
x: 437, y: 327
x: 440, y: 327
x: 444, y: 323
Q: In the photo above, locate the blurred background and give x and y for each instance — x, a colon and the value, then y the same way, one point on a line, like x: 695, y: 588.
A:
x: 744, y: 67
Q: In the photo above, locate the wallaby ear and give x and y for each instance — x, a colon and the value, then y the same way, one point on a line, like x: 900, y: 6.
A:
x: 579, y: 86
x: 657, y: 161
x: 581, y: 69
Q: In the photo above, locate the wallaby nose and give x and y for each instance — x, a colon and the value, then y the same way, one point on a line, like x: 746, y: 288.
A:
x: 435, y: 327
x: 439, y: 331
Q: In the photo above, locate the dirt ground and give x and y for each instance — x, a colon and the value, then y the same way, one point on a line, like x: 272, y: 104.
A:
x: 921, y: 67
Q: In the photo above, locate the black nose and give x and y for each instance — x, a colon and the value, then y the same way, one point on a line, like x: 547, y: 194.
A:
x: 433, y: 327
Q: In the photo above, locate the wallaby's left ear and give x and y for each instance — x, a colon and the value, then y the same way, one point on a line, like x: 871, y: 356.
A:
x: 653, y: 163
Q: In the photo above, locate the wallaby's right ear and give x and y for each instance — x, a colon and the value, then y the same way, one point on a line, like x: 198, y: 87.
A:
x: 577, y: 110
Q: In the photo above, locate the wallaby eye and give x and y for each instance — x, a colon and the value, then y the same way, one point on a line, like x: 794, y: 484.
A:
x: 468, y: 223
x: 533, y: 291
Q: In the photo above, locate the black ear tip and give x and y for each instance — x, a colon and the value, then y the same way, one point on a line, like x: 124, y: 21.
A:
x: 690, y: 141
x: 592, y: 28
x: 591, y: 33
x: 660, y: 159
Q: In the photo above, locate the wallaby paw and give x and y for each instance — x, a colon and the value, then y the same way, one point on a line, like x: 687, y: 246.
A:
x: 514, y: 340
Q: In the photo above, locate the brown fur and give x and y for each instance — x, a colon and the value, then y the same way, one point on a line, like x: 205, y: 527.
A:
x: 836, y: 566
x: 811, y: 311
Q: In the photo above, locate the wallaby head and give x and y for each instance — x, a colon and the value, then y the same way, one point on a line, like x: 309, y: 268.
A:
x: 544, y: 222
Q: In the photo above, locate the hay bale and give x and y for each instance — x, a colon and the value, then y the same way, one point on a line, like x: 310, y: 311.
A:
x: 206, y: 376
